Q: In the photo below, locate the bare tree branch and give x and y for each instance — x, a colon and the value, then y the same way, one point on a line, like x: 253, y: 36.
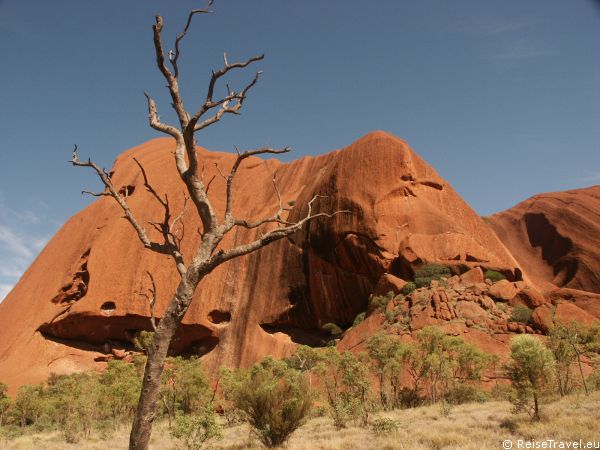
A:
x: 166, y: 226
x: 229, y: 220
x: 179, y: 219
x: 155, y: 122
x: 206, y: 256
x: 152, y: 301
x: 141, y: 232
x: 224, y: 103
x: 173, y: 84
x: 151, y: 298
x: 272, y: 235
x: 175, y: 55
x: 97, y: 194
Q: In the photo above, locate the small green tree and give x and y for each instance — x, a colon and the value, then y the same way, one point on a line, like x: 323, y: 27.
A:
x: 4, y: 403
x: 305, y: 359
x: 120, y: 386
x: 29, y: 405
x: 185, y: 388
x: 196, y: 430
x: 470, y: 363
x: 560, y: 343
x: 436, y: 349
x: 274, y: 398
x: 438, y: 363
x: 75, y: 403
x: 386, y: 355
x: 530, y: 369
x: 347, y: 387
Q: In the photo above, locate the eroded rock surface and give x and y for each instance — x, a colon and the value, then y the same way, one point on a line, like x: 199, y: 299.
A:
x: 80, y: 298
x: 555, y: 237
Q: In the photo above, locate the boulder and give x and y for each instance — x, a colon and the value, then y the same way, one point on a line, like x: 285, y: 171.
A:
x: 472, y: 277
x: 503, y: 290
x: 469, y: 310
x: 531, y: 297
x: 542, y: 318
x: 389, y: 283
x: 487, y: 303
x: 567, y: 313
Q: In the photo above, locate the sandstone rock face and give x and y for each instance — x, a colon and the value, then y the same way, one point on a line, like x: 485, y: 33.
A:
x: 78, y: 300
x: 555, y: 237
x: 473, y: 276
x: 457, y: 307
x: 389, y: 283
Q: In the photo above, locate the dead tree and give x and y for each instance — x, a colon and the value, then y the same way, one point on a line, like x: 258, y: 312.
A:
x: 207, y: 255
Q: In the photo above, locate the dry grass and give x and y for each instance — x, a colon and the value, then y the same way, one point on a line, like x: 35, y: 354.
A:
x: 472, y: 426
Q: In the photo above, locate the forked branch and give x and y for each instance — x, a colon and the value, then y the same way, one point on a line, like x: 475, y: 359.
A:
x: 271, y: 236
x: 169, y: 247
x: 105, y: 178
x: 174, y: 56
x: 229, y: 220
x: 151, y: 299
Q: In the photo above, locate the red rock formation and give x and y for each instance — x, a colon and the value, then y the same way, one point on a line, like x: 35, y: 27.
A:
x: 78, y: 300
x: 555, y: 237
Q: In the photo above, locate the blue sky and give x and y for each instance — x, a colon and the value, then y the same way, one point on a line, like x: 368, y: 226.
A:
x: 501, y: 97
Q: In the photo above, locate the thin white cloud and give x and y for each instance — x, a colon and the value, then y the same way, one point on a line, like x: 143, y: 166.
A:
x: 20, y: 242
x: 26, y: 216
x: 14, y: 243
x: 490, y: 26
x: 11, y: 270
x: 522, y: 49
x: 4, y: 290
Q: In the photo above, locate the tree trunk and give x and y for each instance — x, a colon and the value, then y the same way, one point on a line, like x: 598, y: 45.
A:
x: 581, y: 371
x: 382, y: 395
x: 149, y: 396
x: 536, y: 406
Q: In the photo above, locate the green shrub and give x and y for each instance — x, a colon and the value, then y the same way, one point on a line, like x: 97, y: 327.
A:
x: 29, y: 406
x: 184, y: 388
x: 359, y: 319
x: 196, y: 430
x: 347, y: 387
x: 120, y: 385
x: 143, y: 340
x: 593, y: 380
x: 493, y: 275
x: 465, y: 393
x: 8, y: 433
x: 4, y: 403
x: 379, y: 302
x: 74, y: 400
x: 332, y: 329
x: 521, y: 313
x: 384, y: 425
x: 531, y: 370
x: 274, y: 398
x: 408, y: 288
x: 387, y: 360
x: 305, y: 358
x: 429, y: 272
